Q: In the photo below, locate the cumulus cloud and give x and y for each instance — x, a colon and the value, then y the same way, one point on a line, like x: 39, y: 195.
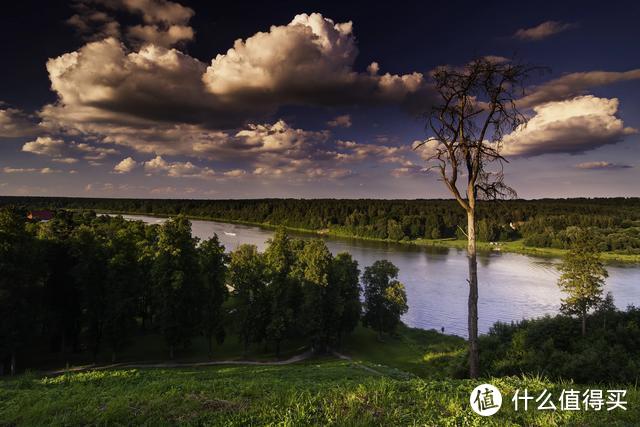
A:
x: 92, y: 24
x: 63, y: 152
x: 15, y: 123
x: 405, y: 171
x: 602, y: 165
x: 102, y: 83
x: 155, y: 11
x: 574, y: 84
x: 340, y: 121
x: 235, y: 173
x: 67, y: 160
x: 165, y: 22
x: 46, y: 146
x: 571, y: 126
x: 308, y: 61
x: 158, y: 165
x: 354, y: 151
x: 31, y: 170
x: 542, y: 31
x: 125, y: 165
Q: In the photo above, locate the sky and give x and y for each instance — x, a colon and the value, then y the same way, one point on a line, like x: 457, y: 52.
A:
x: 316, y: 99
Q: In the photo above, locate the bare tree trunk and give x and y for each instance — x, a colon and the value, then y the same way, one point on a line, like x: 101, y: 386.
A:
x: 474, y: 360
x: 171, y: 353
x: 584, y: 323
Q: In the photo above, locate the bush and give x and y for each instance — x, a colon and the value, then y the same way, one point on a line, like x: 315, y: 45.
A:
x: 554, y: 347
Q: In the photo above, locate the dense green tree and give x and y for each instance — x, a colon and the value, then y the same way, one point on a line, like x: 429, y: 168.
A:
x: 312, y: 270
x: 62, y: 296
x: 20, y: 286
x: 606, y: 309
x: 283, y: 289
x: 91, y: 273
x: 214, y: 270
x: 125, y: 278
x: 385, y: 299
x: 178, y: 283
x: 343, y: 304
x: 247, y: 278
x: 582, y: 277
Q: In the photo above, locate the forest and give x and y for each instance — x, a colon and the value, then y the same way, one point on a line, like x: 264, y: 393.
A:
x: 544, y: 223
x: 84, y: 283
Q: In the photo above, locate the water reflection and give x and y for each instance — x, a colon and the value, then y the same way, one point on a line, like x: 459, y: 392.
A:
x: 511, y: 286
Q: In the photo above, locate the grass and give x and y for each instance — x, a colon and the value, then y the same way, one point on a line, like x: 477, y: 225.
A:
x: 319, y: 392
x: 404, y: 380
x: 427, y: 354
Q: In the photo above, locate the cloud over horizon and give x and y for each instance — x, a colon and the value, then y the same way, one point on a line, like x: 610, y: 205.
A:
x: 571, y: 126
x: 543, y: 30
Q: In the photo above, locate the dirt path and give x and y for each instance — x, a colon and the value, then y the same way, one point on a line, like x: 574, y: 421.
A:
x: 358, y: 364
x: 294, y: 359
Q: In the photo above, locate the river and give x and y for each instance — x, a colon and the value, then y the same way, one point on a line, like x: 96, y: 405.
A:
x: 511, y: 286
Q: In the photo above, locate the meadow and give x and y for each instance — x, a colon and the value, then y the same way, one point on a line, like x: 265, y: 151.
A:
x: 401, y: 381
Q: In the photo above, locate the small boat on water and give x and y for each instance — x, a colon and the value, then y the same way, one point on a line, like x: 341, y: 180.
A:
x: 229, y: 233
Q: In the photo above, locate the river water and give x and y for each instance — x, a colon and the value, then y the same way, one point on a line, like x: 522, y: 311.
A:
x: 511, y: 286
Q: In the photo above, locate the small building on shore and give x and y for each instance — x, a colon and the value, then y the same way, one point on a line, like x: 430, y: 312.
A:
x: 40, y: 215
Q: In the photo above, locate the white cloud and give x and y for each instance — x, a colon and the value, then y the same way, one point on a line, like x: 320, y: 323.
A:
x: 308, y: 61
x: 542, y: 31
x: 45, y: 146
x: 354, y: 151
x: 235, y: 173
x: 177, y: 169
x: 14, y: 123
x: 165, y: 22
x: 125, y: 165
x: 572, y: 126
x: 601, y: 165
x: 61, y: 151
x: 31, y: 170
x: 67, y: 160
x: 574, y: 84
x: 340, y: 121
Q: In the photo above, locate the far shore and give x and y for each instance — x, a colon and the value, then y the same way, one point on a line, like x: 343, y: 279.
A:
x: 516, y: 246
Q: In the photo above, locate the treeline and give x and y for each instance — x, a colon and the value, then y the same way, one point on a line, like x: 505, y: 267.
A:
x: 555, y: 348
x: 87, y: 283
x: 541, y: 223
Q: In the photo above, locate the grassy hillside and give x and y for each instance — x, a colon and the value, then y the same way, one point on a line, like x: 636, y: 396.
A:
x: 401, y: 381
x: 319, y: 392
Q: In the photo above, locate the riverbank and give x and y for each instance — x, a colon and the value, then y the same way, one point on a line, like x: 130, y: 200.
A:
x: 516, y: 246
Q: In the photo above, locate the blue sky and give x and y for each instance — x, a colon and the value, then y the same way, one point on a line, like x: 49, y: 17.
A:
x: 152, y: 98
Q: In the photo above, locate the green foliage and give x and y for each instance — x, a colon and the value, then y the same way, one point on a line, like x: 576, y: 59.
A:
x: 284, y: 293
x: 20, y: 284
x: 178, y: 283
x: 582, y: 277
x: 248, y: 280
x: 213, y: 267
x: 312, y: 270
x: 385, y: 297
x: 343, y: 300
x: 554, y: 347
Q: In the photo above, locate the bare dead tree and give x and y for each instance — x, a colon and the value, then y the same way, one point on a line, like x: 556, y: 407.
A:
x: 476, y: 108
